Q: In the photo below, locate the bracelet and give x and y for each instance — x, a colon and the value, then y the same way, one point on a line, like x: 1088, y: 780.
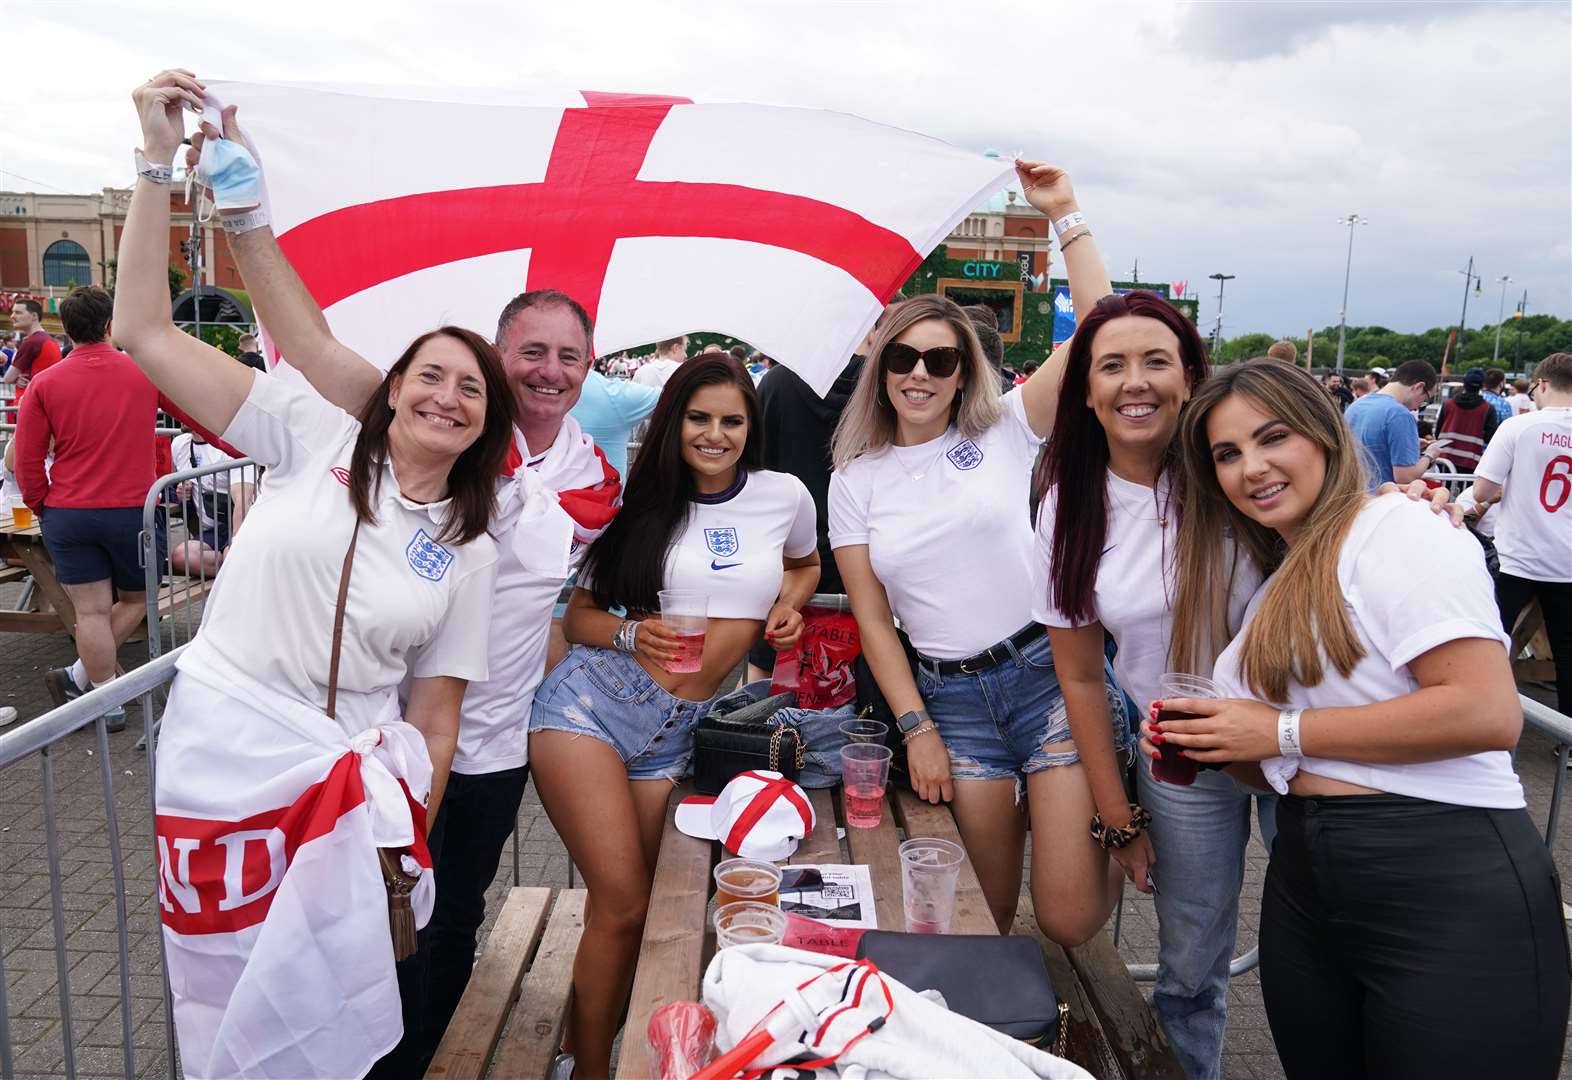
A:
x: 235, y: 224
x: 1064, y: 244
x: 1116, y: 836
x: 1288, y: 733
x: 158, y: 174
x: 1068, y: 222
x: 627, y: 637
x: 921, y: 729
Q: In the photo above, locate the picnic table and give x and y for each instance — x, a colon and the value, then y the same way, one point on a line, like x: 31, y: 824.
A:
x: 1111, y: 1032
x: 44, y: 608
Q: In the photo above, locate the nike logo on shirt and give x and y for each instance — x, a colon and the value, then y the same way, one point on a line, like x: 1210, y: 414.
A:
x: 723, y: 565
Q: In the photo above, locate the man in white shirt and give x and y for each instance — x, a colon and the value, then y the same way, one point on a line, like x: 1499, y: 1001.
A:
x: 1528, y: 468
x: 669, y: 355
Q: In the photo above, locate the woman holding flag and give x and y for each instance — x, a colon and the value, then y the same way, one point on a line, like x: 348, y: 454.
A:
x: 283, y: 759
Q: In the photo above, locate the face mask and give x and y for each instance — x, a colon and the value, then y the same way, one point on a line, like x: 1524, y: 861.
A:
x: 231, y: 173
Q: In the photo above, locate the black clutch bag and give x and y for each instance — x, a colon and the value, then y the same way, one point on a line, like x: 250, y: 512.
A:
x: 728, y: 743
x: 1001, y: 982
x: 871, y: 705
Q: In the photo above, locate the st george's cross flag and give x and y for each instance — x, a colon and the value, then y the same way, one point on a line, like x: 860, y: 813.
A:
x: 788, y: 228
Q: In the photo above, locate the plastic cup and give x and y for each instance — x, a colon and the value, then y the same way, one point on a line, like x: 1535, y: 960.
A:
x: 865, y: 731
x: 686, y: 611
x: 865, y: 770
x: 929, y: 870
x: 749, y: 923
x: 743, y: 880
x: 1168, y: 766
x: 22, y: 516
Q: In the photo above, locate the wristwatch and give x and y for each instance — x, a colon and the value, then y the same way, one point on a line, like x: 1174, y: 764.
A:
x: 908, y: 721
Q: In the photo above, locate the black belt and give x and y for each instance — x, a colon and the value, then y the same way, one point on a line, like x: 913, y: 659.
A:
x: 990, y: 657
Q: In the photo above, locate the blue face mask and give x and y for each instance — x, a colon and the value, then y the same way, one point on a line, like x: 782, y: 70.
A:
x: 231, y: 173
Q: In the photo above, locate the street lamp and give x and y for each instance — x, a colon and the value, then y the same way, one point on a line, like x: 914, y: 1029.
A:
x: 1342, y: 316
x: 1469, y: 278
x: 1217, y: 331
x: 1500, y: 314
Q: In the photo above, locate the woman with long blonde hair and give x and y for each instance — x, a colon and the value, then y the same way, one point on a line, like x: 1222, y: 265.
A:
x: 1411, y: 923
x: 929, y: 522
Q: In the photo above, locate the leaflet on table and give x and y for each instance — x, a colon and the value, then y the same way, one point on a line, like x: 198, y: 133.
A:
x: 845, y: 900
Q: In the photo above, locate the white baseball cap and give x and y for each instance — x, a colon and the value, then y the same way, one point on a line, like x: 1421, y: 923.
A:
x: 758, y: 815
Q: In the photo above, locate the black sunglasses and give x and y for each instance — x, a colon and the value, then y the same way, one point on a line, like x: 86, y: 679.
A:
x: 941, y: 362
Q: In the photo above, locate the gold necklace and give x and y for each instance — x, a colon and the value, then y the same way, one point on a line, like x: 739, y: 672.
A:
x: 1161, y: 510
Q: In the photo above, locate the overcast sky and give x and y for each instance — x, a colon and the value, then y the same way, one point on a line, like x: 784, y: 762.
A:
x: 1203, y: 137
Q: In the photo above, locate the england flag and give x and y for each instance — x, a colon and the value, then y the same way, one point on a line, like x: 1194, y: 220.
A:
x: 787, y: 228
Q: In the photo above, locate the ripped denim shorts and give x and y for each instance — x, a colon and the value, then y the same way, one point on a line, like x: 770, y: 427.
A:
x: 996, y: 722
x: 606, y: 695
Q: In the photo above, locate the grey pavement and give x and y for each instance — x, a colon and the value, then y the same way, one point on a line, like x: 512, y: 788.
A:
x: 27, y: 930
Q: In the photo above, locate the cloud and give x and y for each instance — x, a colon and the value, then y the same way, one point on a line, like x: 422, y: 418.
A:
x: 1254, y: 29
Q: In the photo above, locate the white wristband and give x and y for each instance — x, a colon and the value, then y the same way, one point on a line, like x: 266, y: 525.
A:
x: 235, y: 224
x: 158, y: 174
x: 1068, y: 222
x: 1288, y: 733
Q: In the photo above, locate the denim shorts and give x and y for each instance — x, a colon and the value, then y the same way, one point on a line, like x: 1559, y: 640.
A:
x: 606, y: 695
x: 996, y: 722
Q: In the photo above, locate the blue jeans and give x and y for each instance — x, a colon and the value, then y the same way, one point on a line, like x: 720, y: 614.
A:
x: 1200, y: 833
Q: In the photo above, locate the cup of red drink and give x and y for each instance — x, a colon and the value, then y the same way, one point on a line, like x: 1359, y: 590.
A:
x: 865, y: 769
x: 686, y: 612
x: 1169, y: 766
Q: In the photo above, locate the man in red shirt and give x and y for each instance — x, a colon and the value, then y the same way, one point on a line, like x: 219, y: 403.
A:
x: 98, y: 411
x: 37, y: 351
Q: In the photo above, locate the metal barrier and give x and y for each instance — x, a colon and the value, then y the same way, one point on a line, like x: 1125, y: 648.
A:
x: 40, y: 737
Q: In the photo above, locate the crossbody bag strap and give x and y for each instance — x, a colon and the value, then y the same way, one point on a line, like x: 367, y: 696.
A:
x: 338, y: 619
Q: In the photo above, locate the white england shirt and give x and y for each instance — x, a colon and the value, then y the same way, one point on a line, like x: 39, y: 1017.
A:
x: 732, y: 546
x: 1531, y: 457
x: 539, y: 545
x: 1411, y: 582
x: 414, y: 603
x: 1135, y: 590
x: 948, y: 529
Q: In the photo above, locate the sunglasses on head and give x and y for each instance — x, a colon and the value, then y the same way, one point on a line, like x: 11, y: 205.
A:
x: 941, y: 362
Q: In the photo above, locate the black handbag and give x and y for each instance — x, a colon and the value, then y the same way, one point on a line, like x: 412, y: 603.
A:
x: 871, y: 704
x: 726, y: 743
x: 1001, y: 982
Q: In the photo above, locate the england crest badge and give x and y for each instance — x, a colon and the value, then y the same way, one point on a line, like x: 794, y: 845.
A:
x: 965, y: 456
x: 426, y: 557
x: 722, y: 542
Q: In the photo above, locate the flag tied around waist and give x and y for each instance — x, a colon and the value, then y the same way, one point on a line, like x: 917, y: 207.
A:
x: 787, y: 228
x: 274, y: 911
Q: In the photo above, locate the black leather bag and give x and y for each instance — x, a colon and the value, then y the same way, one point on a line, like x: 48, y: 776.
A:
x: 871, y: 705
x: 727, y: 743
x: 1001, y: 982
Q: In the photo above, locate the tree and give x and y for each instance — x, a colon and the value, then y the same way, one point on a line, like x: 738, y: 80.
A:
x: 177, y: 282
x: 1534, y: 337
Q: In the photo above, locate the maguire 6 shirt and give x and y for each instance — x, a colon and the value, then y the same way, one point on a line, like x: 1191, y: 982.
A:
x: 1398, y: 613
x: 948, y: 531
x: 1133, y: 598
x: 414, y: 602
x: 1531, y: 457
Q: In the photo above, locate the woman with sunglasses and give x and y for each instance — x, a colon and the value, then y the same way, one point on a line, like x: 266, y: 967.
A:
x: 929, y: 521
x: 611, y: 729
x: 1411, y: 922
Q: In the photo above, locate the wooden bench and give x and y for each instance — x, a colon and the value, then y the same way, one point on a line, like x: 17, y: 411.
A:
x: 1110, y: 1031
x: 178, y: 590
x: 511, y: 1016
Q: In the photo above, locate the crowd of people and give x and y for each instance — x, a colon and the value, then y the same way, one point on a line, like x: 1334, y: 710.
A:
x: 1032, y: 559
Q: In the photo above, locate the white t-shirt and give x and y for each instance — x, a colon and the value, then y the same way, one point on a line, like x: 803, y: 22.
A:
x: 188, y: 453
x: 948, y: 529
x: 732, y: 546
x: 1133, y: 598
x: 1411, y: 582
x: 1521, y: 403
x: 1531, y: 457
x: 413, y: 603
x: 537, y: 552
x: 655, y: 372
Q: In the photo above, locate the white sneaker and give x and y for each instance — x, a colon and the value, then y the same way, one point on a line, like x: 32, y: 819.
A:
x: 7, y: 715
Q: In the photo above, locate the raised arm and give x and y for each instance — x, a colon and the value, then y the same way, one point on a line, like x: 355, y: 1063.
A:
x: 1048, y: 189
x: 206, y: 383
x: 292, y: 316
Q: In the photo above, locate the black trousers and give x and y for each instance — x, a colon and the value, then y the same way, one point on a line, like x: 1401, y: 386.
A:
x: 473, y: 825
x: 1402, y: 938
x: 1555, y: 601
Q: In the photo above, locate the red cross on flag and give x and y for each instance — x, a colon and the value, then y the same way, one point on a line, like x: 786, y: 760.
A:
x: 787, y: 228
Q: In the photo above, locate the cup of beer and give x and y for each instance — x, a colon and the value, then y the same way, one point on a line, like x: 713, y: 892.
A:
x: 744, y: 880
x: 22, y: 516
x: 1169, y: 766
x: 686, y: 612
x: 749, y: 924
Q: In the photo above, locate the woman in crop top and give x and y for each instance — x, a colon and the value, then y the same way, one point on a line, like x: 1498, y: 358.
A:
x: 611, y: 727
x: 1411, y: 923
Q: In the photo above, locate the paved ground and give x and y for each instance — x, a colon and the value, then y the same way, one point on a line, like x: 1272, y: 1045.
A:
x: 27, y: 930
